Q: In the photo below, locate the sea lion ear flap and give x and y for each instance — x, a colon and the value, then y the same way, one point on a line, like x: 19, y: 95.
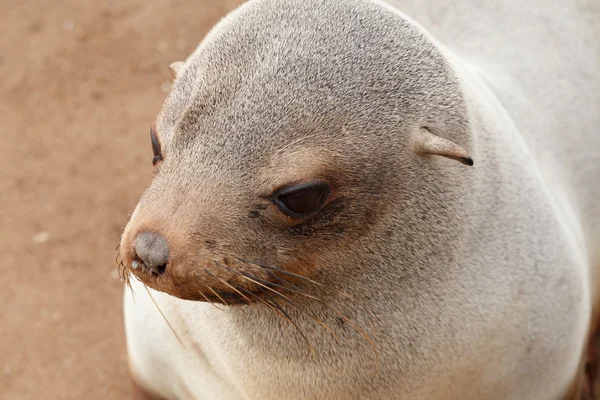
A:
x: 428, y: 143
x: 176, y: 68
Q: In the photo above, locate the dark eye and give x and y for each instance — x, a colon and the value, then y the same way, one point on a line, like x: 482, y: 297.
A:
x: 155, y: 147
x: 303, y: 200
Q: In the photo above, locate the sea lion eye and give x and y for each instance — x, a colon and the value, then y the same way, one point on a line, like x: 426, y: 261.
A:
x: 303, y: 200
x: 155, y: 147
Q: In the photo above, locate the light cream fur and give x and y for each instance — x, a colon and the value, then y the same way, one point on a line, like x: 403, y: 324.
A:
x: 470, y: 282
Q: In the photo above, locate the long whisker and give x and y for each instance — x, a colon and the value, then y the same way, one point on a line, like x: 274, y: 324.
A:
x: 297, y: 276
x: 119, y: 263
x: 217, y: 294
x: 354, y: 325
x: 121, y: 270
x: 268, y: 268
x: 280, y: 270
x: 225, y: 283
x: 339, y: 313
x: 327, y: 288
x: 359, y: 330
x: 163, y: 315
x: 280, y: 312
x: 211, y: 302
x: 282, y: 280
x: 262, y: 283
x: 256, y: 280
x: 133, y: 293
x: 262, y: 301
x: 291, y: 302
x: 275, y: 304
x: 126, y: 276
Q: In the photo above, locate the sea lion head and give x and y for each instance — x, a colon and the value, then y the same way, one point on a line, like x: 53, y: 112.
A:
x: 299, y: 139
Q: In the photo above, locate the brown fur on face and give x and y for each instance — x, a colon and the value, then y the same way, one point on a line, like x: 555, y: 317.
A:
x: 213, y: 256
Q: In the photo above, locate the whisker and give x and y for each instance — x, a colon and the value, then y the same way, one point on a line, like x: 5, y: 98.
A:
x: 121, y: 271
x: 291, y: 302
x: 262, y: 301
x: 359, y: 330
x: 134, y: 294
x: 119, y: 263
x: 268, y: 268
x: 280, y: 312
x: 352, y: 323
x: 243, y: 275
x: 250, y: 278
x: 280, y: 270
x: 211, y: 302
x: 225, y: 283
x: 163, y: 315
x: 217, y: 294
x: 275, y: 304
x: 282, y: 280
x: 258, y: 281
x: 285, y: 298
x: 283, y: 271
x: 124, y: 274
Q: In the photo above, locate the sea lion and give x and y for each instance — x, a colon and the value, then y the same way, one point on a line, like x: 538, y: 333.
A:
x: 349, y: 204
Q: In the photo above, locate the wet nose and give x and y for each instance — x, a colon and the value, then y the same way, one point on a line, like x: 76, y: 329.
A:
x: 152, y: 249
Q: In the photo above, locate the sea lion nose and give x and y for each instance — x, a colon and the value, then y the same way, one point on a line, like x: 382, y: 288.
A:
x: 152, y: 249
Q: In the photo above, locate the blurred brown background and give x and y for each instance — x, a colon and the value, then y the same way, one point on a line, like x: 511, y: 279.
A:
x: 80, y: 84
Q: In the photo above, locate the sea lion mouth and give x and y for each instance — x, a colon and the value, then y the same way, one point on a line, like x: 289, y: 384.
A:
x: 200, y: 289
x: 227, y: 286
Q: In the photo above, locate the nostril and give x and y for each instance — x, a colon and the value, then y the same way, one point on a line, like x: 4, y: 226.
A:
x: 153, y: 252
x: 161, y: 268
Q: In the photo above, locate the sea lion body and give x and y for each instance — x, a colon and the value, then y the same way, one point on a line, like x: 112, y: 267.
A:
x: 458, y: 282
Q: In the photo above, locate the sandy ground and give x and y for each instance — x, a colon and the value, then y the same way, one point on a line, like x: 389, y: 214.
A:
x: 80, y: 85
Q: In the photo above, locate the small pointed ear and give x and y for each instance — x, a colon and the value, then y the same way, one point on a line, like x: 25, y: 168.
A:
x: 176, y: 68
x: 428, y: 143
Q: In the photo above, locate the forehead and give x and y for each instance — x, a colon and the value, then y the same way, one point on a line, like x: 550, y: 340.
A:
x: 275, y: 72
